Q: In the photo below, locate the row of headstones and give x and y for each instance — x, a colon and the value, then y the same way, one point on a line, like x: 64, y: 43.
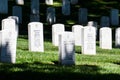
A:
x: 48, y: 2
x: 65, y: 40
x: 51, y: 17
x: 105, y: 21
x: 83, y: 13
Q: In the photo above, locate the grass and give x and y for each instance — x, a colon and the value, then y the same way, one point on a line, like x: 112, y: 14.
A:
x: 44, y: 65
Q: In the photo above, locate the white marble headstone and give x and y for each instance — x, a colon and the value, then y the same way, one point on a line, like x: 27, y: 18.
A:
x: 117, y: 37
x: 66, y: 48
x: 89, y: 40
x: 105, y: 38
x: 8, y: 24
x: 49, y: 2
x: 8, y: 46
x: 66, y: 7
x: 56, y: 30
x: 83, y: 16
x: 4, y: 6
x: 114, y: 17
x: 35, y: 36
x: 20, y: 2
x: 51, y: 18
x: 94, y: 24
x: 16, y: 23
x: 77, y: 30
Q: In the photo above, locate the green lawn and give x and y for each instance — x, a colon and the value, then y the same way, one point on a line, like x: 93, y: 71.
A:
x: 44, y: 66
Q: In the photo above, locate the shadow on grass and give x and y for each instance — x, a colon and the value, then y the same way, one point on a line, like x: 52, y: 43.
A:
x: 118, y: 63
x: 40, y: 71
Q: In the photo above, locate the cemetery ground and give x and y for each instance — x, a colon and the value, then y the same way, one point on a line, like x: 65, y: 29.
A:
x: 105, y: 65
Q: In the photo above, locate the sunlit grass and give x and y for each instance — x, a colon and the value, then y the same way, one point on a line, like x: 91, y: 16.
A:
x: 57, y: 4
x: 104, y: 63
x: 70, y: 22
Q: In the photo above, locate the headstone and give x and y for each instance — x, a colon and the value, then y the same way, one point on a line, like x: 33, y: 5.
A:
x: 117, y: 37
x: 66, y: 7
x: 0, y: 43
x: 56, y: 30
x: 94, y: 24
x: 74, y: 1
x: 66, y: 48
x: 20, y: 2
x: 35, y: 36
x: 114, y: 17
x: 105, y: 21
x: 34, y: 18
x: 49, y: 2
x: 35, y: 6
x: 105, y: 38
x: 17, y: 23
x: 51, y: 18
x: 8, y: 27
x: 83, y: 13
x: 17, y: 11
x: 8, y: 24
x: 89, y: 40
x: 3, y: 6
x: 16, y: 18
x: 8, y: 46
x: 77, y: 30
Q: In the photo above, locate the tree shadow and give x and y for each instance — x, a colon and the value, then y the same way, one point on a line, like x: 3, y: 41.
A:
x: 42, y: 71
x: 118, y: 63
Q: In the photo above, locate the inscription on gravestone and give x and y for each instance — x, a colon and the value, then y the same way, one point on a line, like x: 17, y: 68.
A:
x: 117, y: 37
x: 56, y: 30
x: 36, y: 38
x: 8, y: 46
x: 66, y: 48
x: 69, y: 49
x: 89, y: 41
x: 35, y: 35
